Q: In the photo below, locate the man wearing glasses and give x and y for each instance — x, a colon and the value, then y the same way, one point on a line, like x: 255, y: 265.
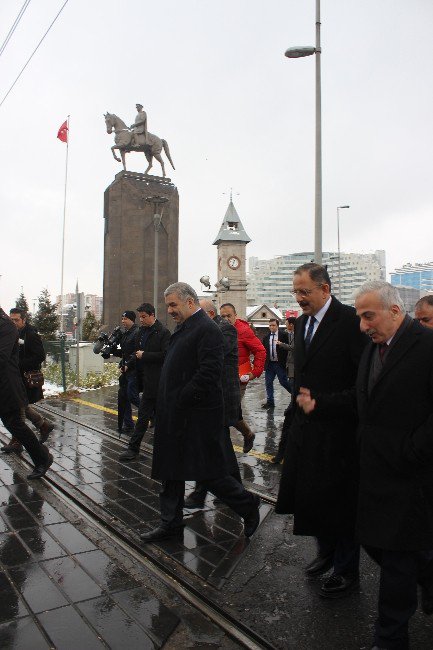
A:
x: 319, y: 477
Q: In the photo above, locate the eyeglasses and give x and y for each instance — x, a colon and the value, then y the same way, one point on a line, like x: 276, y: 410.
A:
x: 304, y: 292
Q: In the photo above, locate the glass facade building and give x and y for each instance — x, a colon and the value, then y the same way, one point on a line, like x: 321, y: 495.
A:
x: 270, y: 281
x: 418, y: 276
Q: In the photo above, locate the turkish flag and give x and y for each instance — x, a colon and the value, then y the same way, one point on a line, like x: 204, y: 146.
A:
x: 63, y: 132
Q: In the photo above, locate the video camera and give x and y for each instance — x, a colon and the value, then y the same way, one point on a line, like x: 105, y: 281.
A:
x: 105, y: 343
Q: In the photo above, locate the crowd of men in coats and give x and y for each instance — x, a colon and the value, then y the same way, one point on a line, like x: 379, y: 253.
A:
x: 358, y: 436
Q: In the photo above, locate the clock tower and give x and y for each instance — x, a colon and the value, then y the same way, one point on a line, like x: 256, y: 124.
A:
x: 232, y: 271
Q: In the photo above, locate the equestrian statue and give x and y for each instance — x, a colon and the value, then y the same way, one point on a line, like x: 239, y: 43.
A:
x: 136, y: 138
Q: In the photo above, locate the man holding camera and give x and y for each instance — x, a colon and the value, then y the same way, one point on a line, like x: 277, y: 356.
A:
x: 128, y: 388
x: 151, y: 343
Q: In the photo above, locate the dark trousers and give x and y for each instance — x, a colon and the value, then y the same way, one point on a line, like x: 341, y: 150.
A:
x: 274, y: 369
x: 15, y: 423
x: 146, y: 410
x: 35, y: 418
x: 227, y: 489
x: 345, y: 551
x: 400, y: 574
x: 127, y: 395
x: 201, y: 490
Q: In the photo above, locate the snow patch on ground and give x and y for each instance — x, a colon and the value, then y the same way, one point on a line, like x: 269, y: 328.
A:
x: 54, y: 390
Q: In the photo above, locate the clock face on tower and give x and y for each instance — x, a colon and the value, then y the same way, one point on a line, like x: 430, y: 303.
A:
x: 234, y: 262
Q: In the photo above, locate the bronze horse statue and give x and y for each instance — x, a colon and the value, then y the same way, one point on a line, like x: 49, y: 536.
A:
x: 125, y: 143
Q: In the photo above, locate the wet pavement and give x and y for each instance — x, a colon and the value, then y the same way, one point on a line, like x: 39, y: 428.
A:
x: 65, y: 585
x: 45, y: 555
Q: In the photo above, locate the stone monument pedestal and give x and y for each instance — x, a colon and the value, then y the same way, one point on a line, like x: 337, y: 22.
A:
x: 129, y: 244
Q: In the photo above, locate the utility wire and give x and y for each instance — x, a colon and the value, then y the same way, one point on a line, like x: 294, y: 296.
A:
x: 14, y: 26
x: 33, y: 53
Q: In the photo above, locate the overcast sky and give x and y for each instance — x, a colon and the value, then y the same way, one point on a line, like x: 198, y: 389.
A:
x: 214, y: 81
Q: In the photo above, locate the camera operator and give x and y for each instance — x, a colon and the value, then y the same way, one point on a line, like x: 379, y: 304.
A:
x: 128, y: 389
x: 151, y: 343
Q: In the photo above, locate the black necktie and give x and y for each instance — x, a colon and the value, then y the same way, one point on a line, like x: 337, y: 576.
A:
x: 309, y: 332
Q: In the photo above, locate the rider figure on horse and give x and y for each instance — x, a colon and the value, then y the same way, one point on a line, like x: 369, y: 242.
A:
x: 140, y: 127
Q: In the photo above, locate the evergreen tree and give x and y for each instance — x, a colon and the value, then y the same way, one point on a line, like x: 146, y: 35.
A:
x: 21, y: 303
x: 90, y: 327
x: 46, y: 319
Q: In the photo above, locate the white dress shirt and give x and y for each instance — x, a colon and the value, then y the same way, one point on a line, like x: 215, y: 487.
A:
x: 319, y: 317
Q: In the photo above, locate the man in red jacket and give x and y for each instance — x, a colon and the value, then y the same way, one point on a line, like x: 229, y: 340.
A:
x: 248, y: 346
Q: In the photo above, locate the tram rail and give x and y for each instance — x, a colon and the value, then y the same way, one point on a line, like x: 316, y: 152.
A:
x: 266, y: 498
x: 191, y: 593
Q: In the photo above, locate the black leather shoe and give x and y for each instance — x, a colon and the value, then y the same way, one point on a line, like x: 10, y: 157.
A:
x: 193, y: 503
x: 45, y: 430
x: 127, y: 455
x: 160, y: 533
x: 427, y: 598
x: 268, y: 405
x: 249, y: 442
x: 320, y: 564
x: 252, y: 520
x: 338, y: 586
x: 40, y: 470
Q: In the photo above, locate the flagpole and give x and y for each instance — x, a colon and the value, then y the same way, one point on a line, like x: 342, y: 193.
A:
x: 63, y: 234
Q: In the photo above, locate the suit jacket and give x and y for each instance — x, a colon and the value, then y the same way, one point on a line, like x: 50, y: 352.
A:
x: 319, y: 477
x: 189, y: 423
x: 281, y: 352
x: 395, y: 437
x: 290, y: 347
x: 12, y: 392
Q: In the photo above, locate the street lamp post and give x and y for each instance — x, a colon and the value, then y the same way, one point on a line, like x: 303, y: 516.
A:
x: 157, y: 201
x: 340, y: 207
x: 296, y: 53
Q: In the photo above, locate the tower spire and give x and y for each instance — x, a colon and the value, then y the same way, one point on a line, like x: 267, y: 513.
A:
x: 231, y: 227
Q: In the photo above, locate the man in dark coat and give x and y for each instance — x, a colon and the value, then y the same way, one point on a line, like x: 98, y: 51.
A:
x: 275, y: 364
x: 128, y: 388
x: 424, y: 311
x: 31, y: 357
x: 13, y: 399
x: 319, y: 477
x: 231, y: 398
x: 189, y: 424
x: 151, y: 343
x: 290, y: 372
x: 394, y: 401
